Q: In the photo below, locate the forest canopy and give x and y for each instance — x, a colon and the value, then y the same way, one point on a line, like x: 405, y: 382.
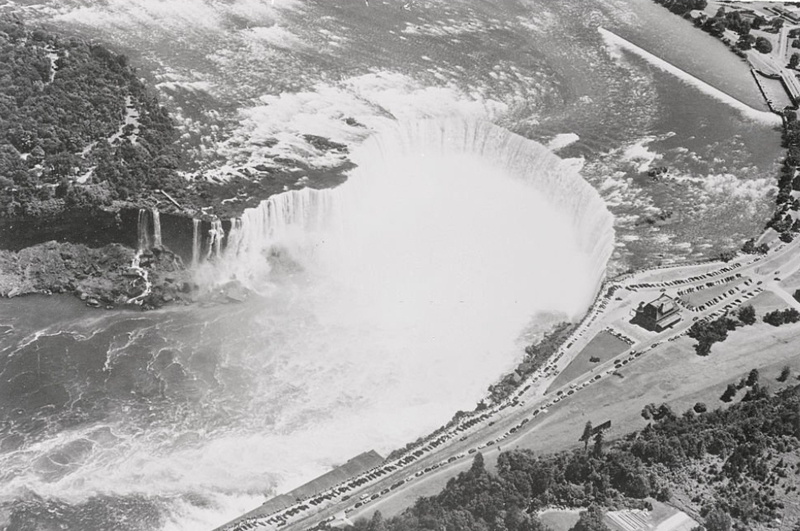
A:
x: 74, y: 119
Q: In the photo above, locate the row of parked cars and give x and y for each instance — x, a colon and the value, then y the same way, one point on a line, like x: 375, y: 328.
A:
x: 730, y: 278
x: 736, y: 302
x: 682, y: 281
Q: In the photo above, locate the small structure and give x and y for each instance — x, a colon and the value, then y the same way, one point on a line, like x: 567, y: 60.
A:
x: 659, y: 314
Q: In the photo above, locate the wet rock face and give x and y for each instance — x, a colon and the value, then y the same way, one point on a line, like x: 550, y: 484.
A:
x: 92, y: 227
x: 99, y: 277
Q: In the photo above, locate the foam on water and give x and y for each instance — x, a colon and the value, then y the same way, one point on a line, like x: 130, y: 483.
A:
x: 386, y: 305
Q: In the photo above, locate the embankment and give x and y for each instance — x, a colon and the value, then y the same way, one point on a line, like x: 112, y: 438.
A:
x: 614, y: 40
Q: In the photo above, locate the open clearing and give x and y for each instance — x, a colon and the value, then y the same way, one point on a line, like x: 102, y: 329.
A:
x: 604, y: 346
x: 696, y: 298
x: 766, y: 302
x: 671, y: 373
x: 560, y: 519
x: 791, y: 283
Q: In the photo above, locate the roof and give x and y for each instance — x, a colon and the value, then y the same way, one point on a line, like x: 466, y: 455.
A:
x: 664, y: 304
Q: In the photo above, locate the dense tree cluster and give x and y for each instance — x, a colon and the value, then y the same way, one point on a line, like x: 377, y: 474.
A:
x: 763, y: 45
x: 745, y: 438
x: 709, y: 332
x: 779, y: 317
x: 682, y: 7
x: 783, y: 221
x: 750, y: 247
x: 63, y: 109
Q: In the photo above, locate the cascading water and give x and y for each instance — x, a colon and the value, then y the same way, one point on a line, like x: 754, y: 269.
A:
x: 317, y: 221
x: 143, y: 230
x: 386, y: 305
x: 156, y: 227
x: 144, y: 276
x: 196, y: 242
x: 215, y: 236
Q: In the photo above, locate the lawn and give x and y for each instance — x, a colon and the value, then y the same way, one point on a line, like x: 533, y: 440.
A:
x: 560, y: 520
x: 791, y: 283
x: 696, y: 298
x: 766, y: 302
x: 603, y: 346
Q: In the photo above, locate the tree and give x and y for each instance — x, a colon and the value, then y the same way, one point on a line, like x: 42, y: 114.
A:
x: 478, y: 467
x: 785, y: 373
x: 718, y: 520
x: 763, y: 45
x: 597, y: 451
x: 591, y: 520
x: 729, y: 393
x: 587, y: 434
x: 747, y: 314
x: 746, y: 42
x: 752, y: 378
x: 376, y: 523
x: 749, y: 246
x: 794, y: 60
x: 700, y: 407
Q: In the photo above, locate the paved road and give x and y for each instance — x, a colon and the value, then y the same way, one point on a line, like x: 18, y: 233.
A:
x: 454, y: 451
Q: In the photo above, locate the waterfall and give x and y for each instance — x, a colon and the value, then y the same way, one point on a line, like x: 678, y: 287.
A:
x: 156, y: 228
x: 196, y: 242
x: 143, y: 230
x: 143, y: 275
x: 301, y: 214
x: 215, y: 236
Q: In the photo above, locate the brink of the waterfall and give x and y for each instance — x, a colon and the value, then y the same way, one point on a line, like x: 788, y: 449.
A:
x: 412, y: 160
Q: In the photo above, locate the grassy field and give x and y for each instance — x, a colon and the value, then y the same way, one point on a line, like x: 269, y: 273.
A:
x: 560, y: 520
x: 766, y: 302
x: 671, y: 373
x: 791, y: 283
x: 670, y: 273
x: 603, y: 346
x: 696, y: 298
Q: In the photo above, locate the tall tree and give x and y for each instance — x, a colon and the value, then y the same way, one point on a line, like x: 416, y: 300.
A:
x: 587, y: 434
x: 591, y: 520
x: 597, y: 451
x: 718, y: 520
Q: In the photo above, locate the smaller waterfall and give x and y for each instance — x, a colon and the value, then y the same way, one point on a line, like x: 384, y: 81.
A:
x: 143, y: 230
x: 216, y: 234
x: 136, y: 266
x: 156, y: 228
x: 196, y: 242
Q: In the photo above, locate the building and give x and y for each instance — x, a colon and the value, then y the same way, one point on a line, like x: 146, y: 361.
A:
x: 659, y: 314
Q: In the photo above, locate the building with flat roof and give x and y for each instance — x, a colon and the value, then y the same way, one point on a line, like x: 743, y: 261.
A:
x: 658, y: 314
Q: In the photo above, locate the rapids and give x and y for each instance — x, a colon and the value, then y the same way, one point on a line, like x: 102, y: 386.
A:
x: 380, y: 309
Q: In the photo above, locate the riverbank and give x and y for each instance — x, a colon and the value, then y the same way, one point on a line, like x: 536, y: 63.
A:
x: 102, y: 277
x: 615, y: 40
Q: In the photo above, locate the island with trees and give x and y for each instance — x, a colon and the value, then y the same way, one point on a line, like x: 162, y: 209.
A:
x: 84, y: 145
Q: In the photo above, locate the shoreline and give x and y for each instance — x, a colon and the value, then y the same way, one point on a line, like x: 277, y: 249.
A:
x: 605, y: 290
x: 612, y: 39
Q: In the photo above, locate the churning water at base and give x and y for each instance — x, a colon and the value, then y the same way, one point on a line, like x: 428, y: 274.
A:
x: 383, y: 307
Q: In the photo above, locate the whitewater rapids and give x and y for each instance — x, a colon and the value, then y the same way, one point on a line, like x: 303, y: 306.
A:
x: 435, y: 203
x: 385, y: 306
